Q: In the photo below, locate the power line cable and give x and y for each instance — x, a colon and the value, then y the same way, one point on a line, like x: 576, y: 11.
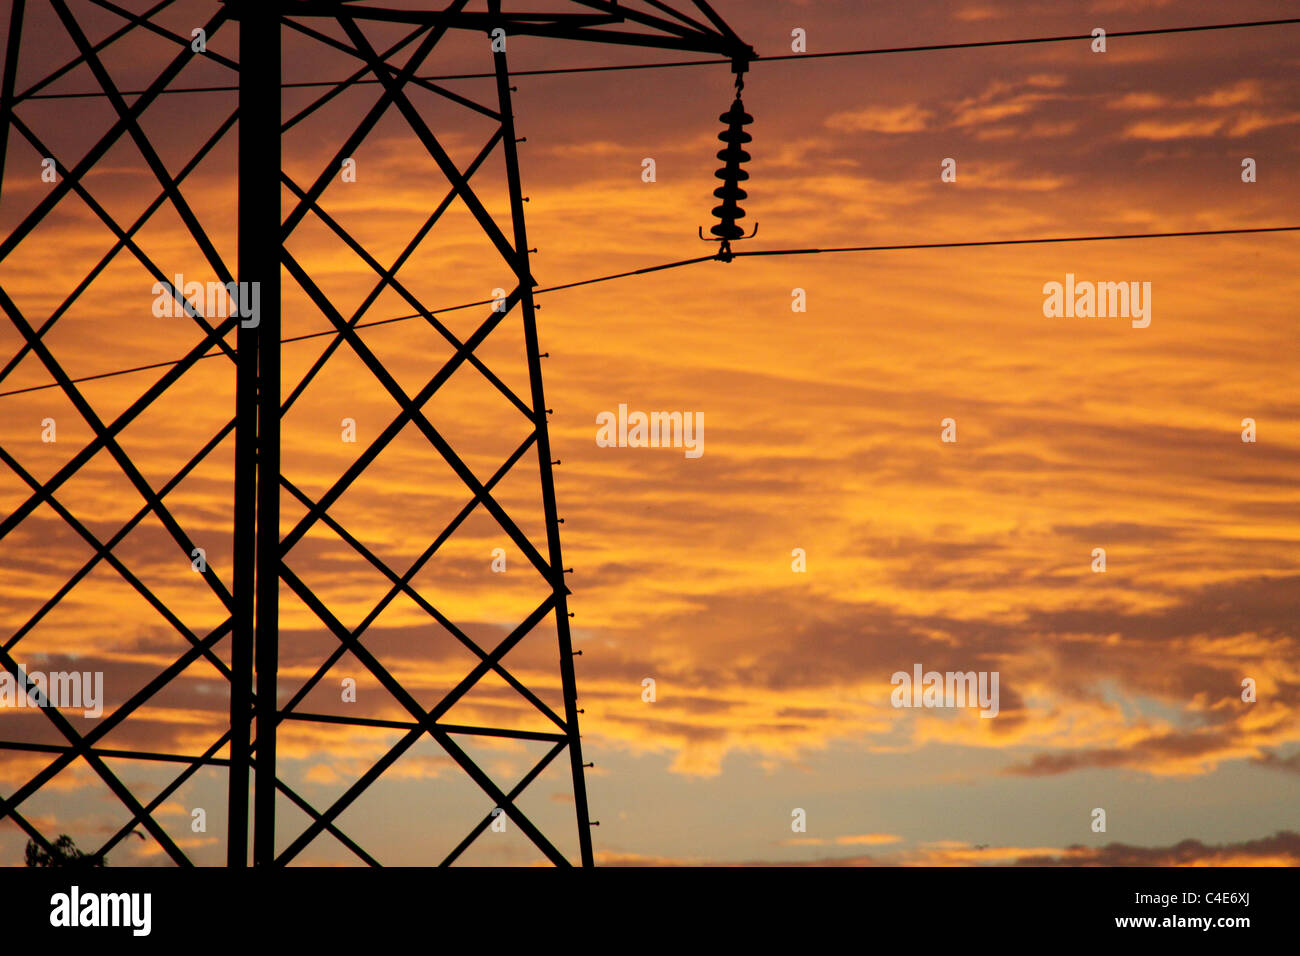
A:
x: 875, y: 51
x: 1017, y: 242
x: 711, y: 258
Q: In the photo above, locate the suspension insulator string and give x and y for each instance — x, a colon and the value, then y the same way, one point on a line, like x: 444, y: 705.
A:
x: 732, y: 155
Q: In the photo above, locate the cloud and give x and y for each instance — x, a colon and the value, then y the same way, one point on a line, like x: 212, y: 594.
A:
x: 1139, y: 101
x: 1273, y: 760
x: 1254, y: 121
x: 1281, y: 849
x: 976, y: 13
x: 859, y: 839
x: 1000, y: 100
x: 906, y: 118
x: 1244, y: 91
x: 1160, y: 130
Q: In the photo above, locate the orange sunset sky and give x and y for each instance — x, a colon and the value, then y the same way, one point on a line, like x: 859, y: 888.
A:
x: 1119, y: 691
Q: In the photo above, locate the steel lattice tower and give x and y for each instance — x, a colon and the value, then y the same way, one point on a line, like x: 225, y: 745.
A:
x: 244, y: 646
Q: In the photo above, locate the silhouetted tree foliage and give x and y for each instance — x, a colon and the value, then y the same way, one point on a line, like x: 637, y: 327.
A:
x: 62, y: 852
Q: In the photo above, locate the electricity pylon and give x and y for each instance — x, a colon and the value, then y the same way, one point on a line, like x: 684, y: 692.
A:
x: 244, y: 645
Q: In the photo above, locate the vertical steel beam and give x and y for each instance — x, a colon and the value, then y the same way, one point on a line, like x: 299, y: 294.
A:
x: 554, y: 556
x: 260, y: 128
x: 257, y: 436
x: 244, y: 553
x: 10, y: 78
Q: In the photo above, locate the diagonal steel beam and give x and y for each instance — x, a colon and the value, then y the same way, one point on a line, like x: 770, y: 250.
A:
x: 347, y: 82
x: 120, y: 790
x: 104, y: 144
x: 429, y: 85
x: 515, y: 791
x: 119, y: 536
x: 349, y: 796
x: 107, y: 436
x: 145, y: 22
x: 405, y: 587
x: 406, y: 578
x: 336, y: 340
x: 104, y: 551
x: 120, y: 244
x: 107, y: 724
x: 386, y: 436
x: 427, y: 720
x: 367, y: 124
x: 388, y: 277
x: 151, y: 157
x: 92, y: 448
x: 421, y: 421
x: 123, y: 238
x: 101, y: 45
x: 394, y: 88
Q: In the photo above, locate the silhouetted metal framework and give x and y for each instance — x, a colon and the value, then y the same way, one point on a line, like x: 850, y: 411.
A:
x: 261, y: 556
